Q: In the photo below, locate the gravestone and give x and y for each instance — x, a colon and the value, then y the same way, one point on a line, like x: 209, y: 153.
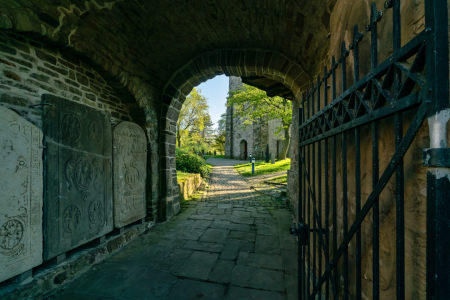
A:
x: 78, y: 196
x: 273, y: 159
x: 129, y: 173
x: 21, y: 185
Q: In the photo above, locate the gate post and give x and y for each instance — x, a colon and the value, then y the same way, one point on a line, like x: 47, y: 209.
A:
x: 438, y: 172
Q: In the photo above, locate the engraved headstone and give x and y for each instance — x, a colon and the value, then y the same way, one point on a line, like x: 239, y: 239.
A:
x: 78, y: 196
x: 129, y: 173
x: 21, y: 186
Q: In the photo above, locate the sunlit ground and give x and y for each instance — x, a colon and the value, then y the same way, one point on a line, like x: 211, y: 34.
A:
x: 263, y: 168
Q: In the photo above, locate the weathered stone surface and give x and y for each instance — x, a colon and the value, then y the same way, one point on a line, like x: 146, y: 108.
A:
x: 258, y: 278
x: 191, y: 290
x: 21, y: 188
x: 215, y: 235
x: 251, y: 294
x: 222, y: 271
x: 265, y: 261
x: 130, y: 173
x: 257, y: 134
x: 199, y: 265
x: 78, y: 198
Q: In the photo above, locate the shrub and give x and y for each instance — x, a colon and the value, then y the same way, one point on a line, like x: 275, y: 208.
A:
x: 191, y: 163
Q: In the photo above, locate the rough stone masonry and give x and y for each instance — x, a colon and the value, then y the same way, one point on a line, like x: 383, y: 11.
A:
x: 253, y: 137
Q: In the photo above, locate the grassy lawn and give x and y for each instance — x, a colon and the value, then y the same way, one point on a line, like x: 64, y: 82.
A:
x: 263, y: 168
x: 281, y: 179
x: 214, y: 156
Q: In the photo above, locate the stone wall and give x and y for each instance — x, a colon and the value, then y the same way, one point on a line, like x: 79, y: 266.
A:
x: 258, y: 134
x: 189, y: 185
x: 30, y: 68
x: 32, y: 71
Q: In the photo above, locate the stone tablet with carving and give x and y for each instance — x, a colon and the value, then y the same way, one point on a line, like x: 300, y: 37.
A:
x: 21, y: 185
x: 78, y: 197
x: 130, y: 172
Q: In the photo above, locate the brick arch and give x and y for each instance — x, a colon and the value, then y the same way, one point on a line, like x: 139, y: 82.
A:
x: 231, y: 62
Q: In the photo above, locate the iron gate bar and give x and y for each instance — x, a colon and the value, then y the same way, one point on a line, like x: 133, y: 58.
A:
x: 375, y: 16
x: 309, y: 217
x: 344, y: 54
x: 355, y: 46
x: 327, y: 204
x: 387, y: 174
x: 319, y: 182
x: 313, y: 191
x: 406, y: 51
x: 388, y: 110
x: 303, y: 168
x: 300, y: 216
x: 333, y: 96
x: 399, y: 173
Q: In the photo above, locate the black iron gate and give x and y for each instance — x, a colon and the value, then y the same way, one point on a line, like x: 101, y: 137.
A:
x: 414, y: 78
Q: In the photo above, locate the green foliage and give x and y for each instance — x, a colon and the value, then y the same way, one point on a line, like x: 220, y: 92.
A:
x: 191, y: 163
x: 219, y: 137
x: 263, y: 168
x: 181, y: 176
x: 252, y: 104
x: 214, y: 156
x: 280, y: 179
x: 194, y: 122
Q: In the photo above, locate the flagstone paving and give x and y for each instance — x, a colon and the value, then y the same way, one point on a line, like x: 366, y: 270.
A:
x: 232, y: 243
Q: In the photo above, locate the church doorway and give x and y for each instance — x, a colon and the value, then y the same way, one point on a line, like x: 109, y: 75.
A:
x: 243, y: 150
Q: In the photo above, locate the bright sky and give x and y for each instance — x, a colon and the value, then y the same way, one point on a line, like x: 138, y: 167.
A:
x: 216, y: 91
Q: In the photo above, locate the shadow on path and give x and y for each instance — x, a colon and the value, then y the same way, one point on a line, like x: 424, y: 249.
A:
x: 233, y: 244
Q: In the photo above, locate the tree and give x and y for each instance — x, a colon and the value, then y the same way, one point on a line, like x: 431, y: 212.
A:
x: 208, y: 129
x: 193, y: 115
x: 219, y: 139
x: 252, y: 104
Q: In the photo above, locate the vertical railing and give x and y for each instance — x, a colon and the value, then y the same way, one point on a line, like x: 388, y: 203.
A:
x: 375, y: 17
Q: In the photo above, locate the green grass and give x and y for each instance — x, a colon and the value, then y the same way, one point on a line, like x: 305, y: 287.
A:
x: 280, y: 179
x: 182, y: 175
x: 214, y: 156
x: 263, y: 168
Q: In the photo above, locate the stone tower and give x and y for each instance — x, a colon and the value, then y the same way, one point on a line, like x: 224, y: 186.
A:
x: 239, y: 142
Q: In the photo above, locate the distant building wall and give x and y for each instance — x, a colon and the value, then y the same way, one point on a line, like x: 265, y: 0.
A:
x: 257, y: 134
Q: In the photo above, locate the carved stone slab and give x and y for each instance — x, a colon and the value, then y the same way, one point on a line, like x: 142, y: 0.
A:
x: 78, y: 197
x: 21, y: 185
x: 130, y: 172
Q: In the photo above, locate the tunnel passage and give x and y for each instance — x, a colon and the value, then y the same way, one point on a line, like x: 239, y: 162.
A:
x: 283, y: 74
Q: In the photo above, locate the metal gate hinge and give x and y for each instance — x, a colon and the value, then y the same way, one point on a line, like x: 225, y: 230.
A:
x: 302, y: 231
x: 436, y: 157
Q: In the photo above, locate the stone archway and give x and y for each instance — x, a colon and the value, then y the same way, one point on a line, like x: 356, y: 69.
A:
x: 231, y: 62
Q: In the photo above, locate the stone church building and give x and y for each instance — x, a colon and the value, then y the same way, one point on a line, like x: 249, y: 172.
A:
x: 253, y: 139
x: 90, y: 94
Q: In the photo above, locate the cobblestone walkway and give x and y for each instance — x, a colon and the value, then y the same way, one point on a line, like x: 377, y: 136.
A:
x: 233, y: 244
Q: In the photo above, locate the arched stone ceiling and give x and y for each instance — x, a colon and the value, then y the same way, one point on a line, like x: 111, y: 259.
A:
x: 152, y: 39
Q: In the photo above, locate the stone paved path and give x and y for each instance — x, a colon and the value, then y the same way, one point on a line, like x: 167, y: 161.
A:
x: 233, y: 244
